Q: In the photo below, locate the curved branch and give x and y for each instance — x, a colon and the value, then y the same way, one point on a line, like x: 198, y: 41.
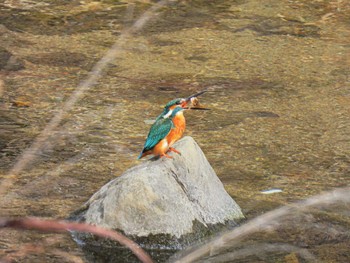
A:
x: 261, y: 249
x: 259, y: 223
x: 63, y: 226
x: 30, y: 154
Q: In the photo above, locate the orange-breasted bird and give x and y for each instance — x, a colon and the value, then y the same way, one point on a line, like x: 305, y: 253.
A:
x: 157, y: 142
x: 168, y: 127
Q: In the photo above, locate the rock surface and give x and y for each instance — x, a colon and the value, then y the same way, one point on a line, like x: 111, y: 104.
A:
x: 164, y: 196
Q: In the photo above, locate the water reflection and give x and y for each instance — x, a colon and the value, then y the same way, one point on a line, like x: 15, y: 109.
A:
x: 278, y: 76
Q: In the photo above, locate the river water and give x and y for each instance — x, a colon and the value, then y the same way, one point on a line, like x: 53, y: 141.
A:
x: 278, y: 81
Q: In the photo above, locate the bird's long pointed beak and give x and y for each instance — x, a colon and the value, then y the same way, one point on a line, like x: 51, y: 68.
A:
x: 196, y: 108
x: 195, y: 95
x: 191, y: 98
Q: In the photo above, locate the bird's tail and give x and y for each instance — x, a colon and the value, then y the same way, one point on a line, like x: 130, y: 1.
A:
x: 142, y: 154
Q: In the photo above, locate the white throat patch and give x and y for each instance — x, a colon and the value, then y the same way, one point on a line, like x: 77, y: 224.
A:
x: 168, y: 114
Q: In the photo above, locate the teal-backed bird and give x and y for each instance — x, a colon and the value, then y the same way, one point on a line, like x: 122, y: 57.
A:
x: 169, y: 126
x: 157, y: 142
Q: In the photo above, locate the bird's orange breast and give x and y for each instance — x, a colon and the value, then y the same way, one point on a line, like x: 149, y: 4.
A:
x: 179, y: 129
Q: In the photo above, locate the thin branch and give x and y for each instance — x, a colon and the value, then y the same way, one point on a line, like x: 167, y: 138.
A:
x: 21, y: 252
x: 260, y: 249
x: 67, y: 256
x: 18, y: 252
x: 94, y: 75
x: 262, y: 222
x: 63, y: 226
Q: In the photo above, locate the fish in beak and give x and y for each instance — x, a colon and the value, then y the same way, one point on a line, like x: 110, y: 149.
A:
x: 192, y: 102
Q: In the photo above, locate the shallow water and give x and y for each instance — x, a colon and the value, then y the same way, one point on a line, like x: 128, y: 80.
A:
x: 278, y: 79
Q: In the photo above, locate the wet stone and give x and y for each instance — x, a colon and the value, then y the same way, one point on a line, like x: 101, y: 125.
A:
x: 164, y: 204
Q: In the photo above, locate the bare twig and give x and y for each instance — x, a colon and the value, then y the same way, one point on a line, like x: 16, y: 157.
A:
x: 1, y: 87
x: 262, y: 222
x: 67, y: 256
x: 94, y: 75
x: 63, y: 226
x: 262, y: 249
x: 20, y: 251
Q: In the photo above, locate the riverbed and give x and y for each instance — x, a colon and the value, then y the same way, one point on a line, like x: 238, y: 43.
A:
x: 277, y: 75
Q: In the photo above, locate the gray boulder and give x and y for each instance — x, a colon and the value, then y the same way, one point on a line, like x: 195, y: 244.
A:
x: 164, y: 196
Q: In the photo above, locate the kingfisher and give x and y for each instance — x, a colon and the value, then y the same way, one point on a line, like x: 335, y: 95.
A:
x: 162, y: 132
x: 169, y: 127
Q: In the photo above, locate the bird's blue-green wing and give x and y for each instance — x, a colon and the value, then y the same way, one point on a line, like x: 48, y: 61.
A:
x: 160, y: 116
x: 159, y: 130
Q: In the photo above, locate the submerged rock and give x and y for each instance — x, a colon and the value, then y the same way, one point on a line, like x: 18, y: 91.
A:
x: 166, y: 202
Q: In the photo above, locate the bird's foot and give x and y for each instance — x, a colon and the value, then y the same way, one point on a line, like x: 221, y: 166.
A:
x: 167, y: 156
x: 171, y: 149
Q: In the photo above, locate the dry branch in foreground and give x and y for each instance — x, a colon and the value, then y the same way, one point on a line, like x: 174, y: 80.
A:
x: 63, y: 226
